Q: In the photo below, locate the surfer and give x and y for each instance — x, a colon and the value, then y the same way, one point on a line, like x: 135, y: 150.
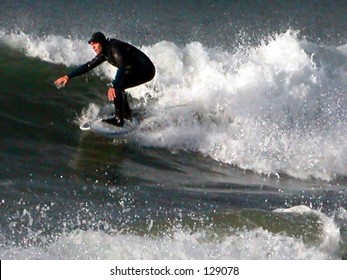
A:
x: 134, y: 68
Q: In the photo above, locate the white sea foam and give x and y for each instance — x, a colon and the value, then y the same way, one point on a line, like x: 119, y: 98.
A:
x: 182, y: 244
x: 330, y: 237
x: 277, y: 108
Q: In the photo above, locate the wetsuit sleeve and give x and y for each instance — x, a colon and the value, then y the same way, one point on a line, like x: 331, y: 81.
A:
x: 87, y: 66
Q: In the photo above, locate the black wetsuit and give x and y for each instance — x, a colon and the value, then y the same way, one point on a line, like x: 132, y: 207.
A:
x: 134, y: 68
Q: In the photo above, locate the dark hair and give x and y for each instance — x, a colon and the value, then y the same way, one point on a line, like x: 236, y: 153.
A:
x: 98, y: 37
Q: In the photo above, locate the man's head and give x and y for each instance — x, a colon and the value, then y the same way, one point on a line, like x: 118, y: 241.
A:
x: 97, y: 41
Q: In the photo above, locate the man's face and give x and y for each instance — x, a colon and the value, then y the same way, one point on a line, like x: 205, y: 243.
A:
x: 97, y: 47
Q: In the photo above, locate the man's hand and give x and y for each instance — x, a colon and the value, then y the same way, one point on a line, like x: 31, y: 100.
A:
x: 61, y: 82
x: 111, y: 94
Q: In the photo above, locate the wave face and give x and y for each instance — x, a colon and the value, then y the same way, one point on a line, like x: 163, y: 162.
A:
x: 242, y: 153
x: 276, y: 108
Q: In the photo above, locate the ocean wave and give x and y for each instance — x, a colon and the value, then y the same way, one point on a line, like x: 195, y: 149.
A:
x: 275, y: 108
x: 182, y: 244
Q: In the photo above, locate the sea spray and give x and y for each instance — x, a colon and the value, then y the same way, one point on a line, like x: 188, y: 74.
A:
x: 276, y: 108
x: 272, y: 110
x: 248, y: 242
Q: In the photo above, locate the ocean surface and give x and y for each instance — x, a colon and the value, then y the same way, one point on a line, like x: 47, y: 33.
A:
x: 242, y: 153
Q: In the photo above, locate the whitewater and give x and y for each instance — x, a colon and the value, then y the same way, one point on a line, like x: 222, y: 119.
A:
x: 241, y: 154
x: 278, y: 108
x: 182, y: 243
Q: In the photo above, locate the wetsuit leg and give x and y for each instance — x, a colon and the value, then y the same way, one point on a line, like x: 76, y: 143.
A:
x: 119, y: 100
x: 127, y: 110
x: 127, y: 80
x: 137, y: 77
x: 119, y: 105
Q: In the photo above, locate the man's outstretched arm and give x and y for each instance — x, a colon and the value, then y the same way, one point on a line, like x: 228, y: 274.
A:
x: 62, y: 81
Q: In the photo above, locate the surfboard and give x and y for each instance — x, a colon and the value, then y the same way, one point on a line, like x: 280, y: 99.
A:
x: 104, y: 129
x: 97, y: 126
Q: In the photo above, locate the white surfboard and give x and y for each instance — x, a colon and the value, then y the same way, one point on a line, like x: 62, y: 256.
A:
x: 108, y: 130
x: 104, y: 129
x: 112, y: 131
